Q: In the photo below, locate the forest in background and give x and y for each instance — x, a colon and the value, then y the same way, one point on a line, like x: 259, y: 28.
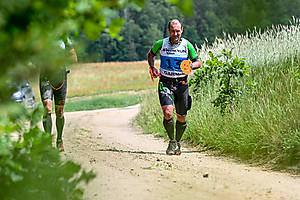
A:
x: 209, y: 19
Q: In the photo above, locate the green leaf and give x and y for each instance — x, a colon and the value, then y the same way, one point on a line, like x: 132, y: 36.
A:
x: 185, y: 6
x: 36, y: 115
x: 92, y: 30
x: 115, y: 27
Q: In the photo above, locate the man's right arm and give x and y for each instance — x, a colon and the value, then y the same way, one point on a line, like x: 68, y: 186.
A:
x: 151, y: 63
x: 151, y: 54
x: 151, y: 58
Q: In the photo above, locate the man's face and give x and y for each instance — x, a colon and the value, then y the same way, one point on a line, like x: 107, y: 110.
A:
x: 175, y: 31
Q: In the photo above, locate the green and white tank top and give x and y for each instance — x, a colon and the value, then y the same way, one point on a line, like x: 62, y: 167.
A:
x: 172, y: 56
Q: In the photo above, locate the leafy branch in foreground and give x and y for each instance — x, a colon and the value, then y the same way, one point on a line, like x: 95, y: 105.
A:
x: 30, y: 168
x: 227, y: 73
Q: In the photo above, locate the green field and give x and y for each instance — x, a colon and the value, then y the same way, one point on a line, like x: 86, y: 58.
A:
x: 105, y: 101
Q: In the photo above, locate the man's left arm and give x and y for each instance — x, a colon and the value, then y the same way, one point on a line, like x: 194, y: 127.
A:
x: 193, y: 56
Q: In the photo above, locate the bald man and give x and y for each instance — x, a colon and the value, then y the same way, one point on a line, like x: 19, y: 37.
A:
x: 173, y: 87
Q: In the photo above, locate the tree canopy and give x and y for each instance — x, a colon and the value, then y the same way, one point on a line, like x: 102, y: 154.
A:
x: 208, y: 19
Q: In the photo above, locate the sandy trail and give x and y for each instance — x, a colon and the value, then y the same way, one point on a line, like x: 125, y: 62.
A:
x: 130, y: 165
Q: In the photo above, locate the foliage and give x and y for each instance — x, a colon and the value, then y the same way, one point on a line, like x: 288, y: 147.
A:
x: 30, y: 168
x: 228, y: 74
x: 207, y: 20
x: 29, y: 31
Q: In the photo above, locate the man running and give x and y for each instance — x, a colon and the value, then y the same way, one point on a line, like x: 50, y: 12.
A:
x: 173, y: 87
x: 54, y: 83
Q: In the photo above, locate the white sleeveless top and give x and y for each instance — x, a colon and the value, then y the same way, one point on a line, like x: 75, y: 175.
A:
x: 171, y: 58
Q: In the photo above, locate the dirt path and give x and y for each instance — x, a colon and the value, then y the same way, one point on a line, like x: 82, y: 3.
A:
x: 130, y: 165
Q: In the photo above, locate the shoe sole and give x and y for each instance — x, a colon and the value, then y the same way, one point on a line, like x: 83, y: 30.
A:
x: 170, y: 154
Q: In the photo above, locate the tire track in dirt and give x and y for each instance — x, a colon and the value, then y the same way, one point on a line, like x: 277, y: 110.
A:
x: 130, y: 165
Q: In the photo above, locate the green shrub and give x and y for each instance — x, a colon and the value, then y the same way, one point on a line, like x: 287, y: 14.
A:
x: 30, y: 168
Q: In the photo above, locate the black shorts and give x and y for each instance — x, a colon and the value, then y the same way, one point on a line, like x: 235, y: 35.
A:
x: 58, y: 90
x: 175, y: 92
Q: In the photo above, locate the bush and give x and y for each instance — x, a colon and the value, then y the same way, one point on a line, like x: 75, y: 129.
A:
x: 30, y: 168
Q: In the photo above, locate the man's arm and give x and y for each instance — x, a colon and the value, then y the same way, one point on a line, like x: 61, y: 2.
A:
x: 151, y: 63
x: 196, y: 64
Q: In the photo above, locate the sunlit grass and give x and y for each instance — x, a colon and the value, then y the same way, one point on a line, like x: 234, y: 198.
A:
x: 97, y: 78
x: 86, y: 79
x: 107, y: 101
x: 279, y: 43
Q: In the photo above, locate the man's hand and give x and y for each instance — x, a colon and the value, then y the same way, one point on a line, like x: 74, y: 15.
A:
x: 196, y: 65
x: 153, y: 73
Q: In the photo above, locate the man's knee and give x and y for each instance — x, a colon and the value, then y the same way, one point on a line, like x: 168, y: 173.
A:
x: 59, y: 111
x: 181, y: 118
x: 47, y: 105
x: 168, y: 112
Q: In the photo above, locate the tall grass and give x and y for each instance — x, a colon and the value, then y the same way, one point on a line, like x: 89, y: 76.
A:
x: 265, y: 127
x: 279, y: 43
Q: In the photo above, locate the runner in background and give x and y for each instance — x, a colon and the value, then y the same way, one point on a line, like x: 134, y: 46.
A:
x: 173, y: 87
x: 53, y: 83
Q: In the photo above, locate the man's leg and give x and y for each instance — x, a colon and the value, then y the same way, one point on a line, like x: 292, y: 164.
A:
x: 168, y: 120
x: 182, y: 106
x: 169, y: 126
x: 60, y: 97
x: 47, y: 120
x: 180, y: 126
x: 166, y: 101
x: 60, y: 121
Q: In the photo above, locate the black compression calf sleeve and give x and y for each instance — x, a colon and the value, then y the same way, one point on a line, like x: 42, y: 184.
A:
x: 169, y: 126
x: 47, y: 122
x: 60, y: 122
x: 180, y: 128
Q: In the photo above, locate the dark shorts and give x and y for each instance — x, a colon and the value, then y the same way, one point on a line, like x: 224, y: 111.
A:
x: 175, y: 92
x: 58, y: 91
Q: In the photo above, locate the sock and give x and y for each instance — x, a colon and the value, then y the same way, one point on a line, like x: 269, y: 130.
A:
x: 180, y: 128
x: 169, y: 126
x: 60, y: 122
x: 47, y: 122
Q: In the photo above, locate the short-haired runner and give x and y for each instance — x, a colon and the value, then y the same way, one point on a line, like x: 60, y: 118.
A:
x: 173, y: 87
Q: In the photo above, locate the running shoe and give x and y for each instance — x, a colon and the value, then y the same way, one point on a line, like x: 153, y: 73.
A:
x: 171, y: 148
x: 178, y: 149
x: 60, y: 145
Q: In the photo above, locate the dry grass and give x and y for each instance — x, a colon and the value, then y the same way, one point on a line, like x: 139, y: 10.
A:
x: 88, y: 79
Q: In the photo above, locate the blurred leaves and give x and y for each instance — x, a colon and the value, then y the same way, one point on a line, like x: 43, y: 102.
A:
x: 30, y: 168
x: 29, y: 29
x: 185, y: 6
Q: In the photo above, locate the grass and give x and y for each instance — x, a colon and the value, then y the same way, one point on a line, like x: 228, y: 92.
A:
x: 265, y: 127
x: 86, y: 79
x: 107, y: 101
x: 115, y: 82
x: 98, y: 78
